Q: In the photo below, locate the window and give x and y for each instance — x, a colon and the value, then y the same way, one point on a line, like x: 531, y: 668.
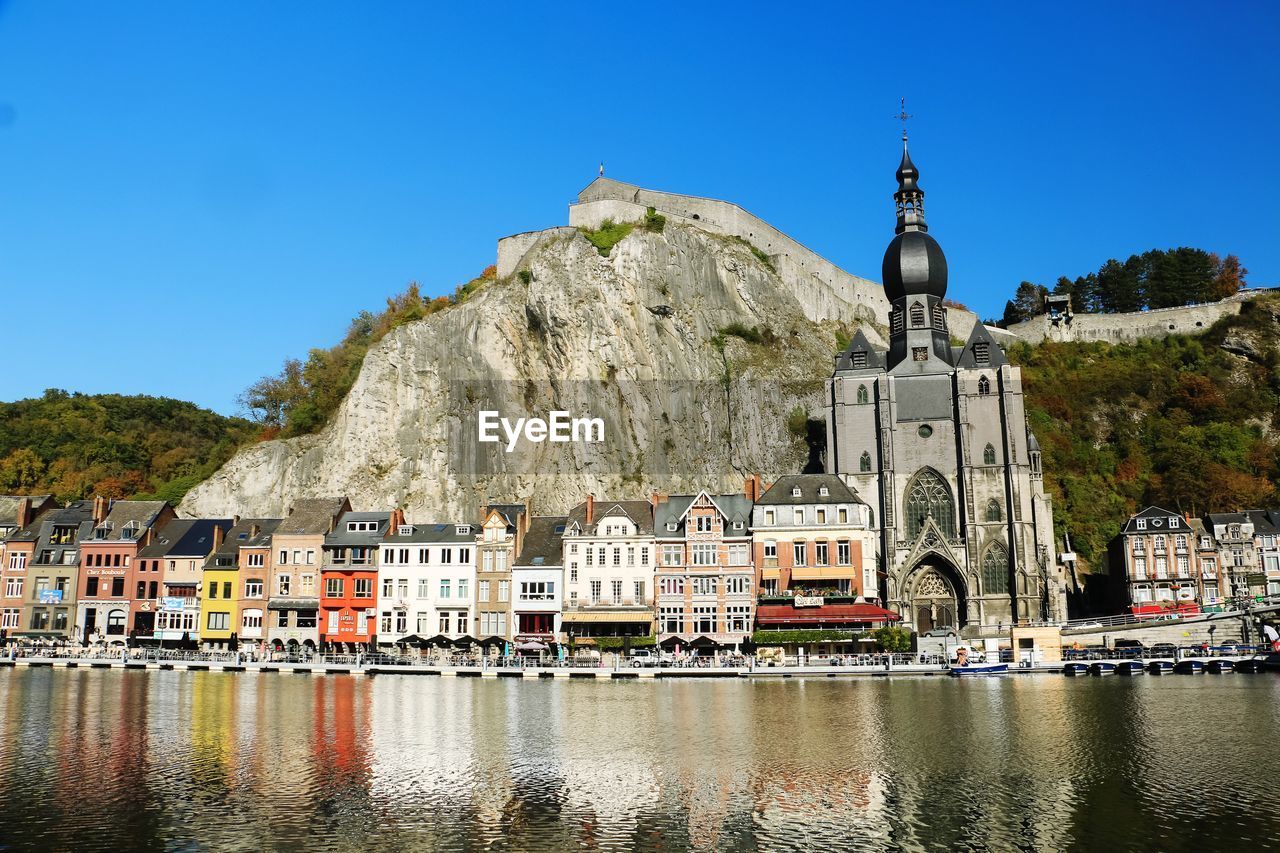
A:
x: 644, y: 555
x: 297, y: 558
x: 502, y: 561
x: 939, y: 318
x: 282, y: 618
x: 1140, y: 567
x: 895, y: 321
x: 989, y: 455
x: 504, y: 590
x: 995, y: 570
x: 843, y: 552
x: 462, y: 621
x: 12, y: 618
x: 864, y: 462
x: 858, y: 358
x: 1184, y: 566
x: 863, y: 396
x: 446, y: 557
x: 283, y: 558
x: 219, y: 621
x: 737, y: 585
x: 984, y: 385
x: 704, y: 619
x: 671, y: 586
x: 388, y: 587
x: 464, y: 590
x: 798, y: 516
x: 994, y: 512
x: 704, y: 524
x: 482, y: 590
x: 464, y: 555
x: 595, y: 591
x: 17, y: 561
x: 917, y: 315
x: 769, y: 517
x: 213, y: 589
x: 117, y: 587
x: 843, y: 515
x: 822, y: 516
x: 255, y: 561
x: 929, y: 497
x: 820, y: 554
x: 670, y: 620
x: 738, y: 618
x: 798, y: 553
x: 226, y: 589
x: 91, y: 587
x: 13, y: 587
x: 739, y: 555
x: 251, y: 620
x: 445, y: 621
x: 672, y: 555
x: 488, y: 561
x: 704, y: 554
x: 639, y: 592
x: 631, y: 555
x: 308, y: 585
x: 617, y: 590
x: 445, y: 587
x: 617, y: 556
x: 703, y: 585
x: 981, y: 352
x: 1142, y: 524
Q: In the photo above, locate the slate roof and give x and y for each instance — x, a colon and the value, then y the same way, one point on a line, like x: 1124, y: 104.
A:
x: 342, y: 536
x: 1168, y: 521
x: 77, y: 514
x: 444, y: 533
x: 311, y: 516
x: 144, y: 513
x: 965, y: 357
x: 875, y: 356
x: 734, y: 507
x: 185, y: 537
x: 510, y: 512
x: 543, y: 542
x: 242, y: 536
x: 780, y: 493
x: 641, y: 512
x: 9, y: 506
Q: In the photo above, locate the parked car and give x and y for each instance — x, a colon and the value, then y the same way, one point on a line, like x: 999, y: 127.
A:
x: 646, y: 657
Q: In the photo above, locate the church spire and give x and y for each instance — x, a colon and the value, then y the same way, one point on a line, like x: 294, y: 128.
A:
x: 909, y: 198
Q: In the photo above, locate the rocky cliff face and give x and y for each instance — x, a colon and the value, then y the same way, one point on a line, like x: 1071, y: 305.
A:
x: 631, y: 338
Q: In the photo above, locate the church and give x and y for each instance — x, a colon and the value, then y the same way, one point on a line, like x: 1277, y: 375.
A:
x: 934, y: 437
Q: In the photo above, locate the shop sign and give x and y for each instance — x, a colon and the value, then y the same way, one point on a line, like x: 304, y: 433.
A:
x: 809, y: 601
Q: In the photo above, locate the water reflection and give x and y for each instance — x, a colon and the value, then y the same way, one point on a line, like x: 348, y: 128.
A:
x: 93, y: 759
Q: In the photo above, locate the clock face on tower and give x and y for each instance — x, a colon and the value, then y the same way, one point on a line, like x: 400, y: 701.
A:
x: 919, y: 353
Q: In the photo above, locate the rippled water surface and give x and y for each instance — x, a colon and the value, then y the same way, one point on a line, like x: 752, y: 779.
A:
x: 97, y: 759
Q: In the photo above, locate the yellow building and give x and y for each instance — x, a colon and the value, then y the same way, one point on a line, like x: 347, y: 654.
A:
x: 220, y: 591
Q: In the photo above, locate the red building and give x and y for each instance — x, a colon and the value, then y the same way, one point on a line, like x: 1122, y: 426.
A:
x: 349, y: 580
x: 115, y: 595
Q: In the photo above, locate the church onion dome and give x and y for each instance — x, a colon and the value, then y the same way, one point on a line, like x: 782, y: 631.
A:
x: 908, y: 174
x: 914, y: 266
x: 1033, y: 446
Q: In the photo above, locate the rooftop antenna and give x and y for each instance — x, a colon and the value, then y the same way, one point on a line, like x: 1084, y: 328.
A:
x: 902, y: 116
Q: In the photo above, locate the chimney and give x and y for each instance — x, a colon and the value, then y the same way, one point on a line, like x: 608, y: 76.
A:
x: 23, y: 517
x: 656, y: 498
x: 751, y: 488
x: 591, y: 507
x: 218, y: 533
x: 100, y: 509
x: 254, y: 530
x: 397, y: 519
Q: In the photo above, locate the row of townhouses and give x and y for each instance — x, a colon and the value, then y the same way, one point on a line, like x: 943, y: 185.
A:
x: 696, y: 569
x: 1162, y: 560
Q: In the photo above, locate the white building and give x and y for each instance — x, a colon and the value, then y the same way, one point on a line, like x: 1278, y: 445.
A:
x: 538, y: 582
x: 427, y: 581
x: 609, y: 558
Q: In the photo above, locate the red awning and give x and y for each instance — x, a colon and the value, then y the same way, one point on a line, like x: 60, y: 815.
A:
x: 827, y: 614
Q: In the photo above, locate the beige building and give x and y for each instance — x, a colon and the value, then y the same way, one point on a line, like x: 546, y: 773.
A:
x: 501, y: 538
x: 297, y: 547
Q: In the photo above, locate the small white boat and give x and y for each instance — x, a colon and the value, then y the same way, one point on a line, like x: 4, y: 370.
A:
x: 980, y: 669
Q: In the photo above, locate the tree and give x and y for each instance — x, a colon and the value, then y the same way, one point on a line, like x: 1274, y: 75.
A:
x: 21, y: 470
x: 1228, y: 277
x: 892, y: 638
x: 1027, y: 302
x: 1120, y: 285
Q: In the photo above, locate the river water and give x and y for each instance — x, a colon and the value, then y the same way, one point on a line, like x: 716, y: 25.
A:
x: 99, y: 759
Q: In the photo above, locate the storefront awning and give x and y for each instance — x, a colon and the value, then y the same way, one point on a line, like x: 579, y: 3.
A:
x: 828, y: 614
x: 293, y: 604
x: 771, y: 574
x: 822, y: 573
x: 629, y: 617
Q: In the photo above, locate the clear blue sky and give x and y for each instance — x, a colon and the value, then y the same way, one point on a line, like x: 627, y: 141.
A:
x: 192, y: 192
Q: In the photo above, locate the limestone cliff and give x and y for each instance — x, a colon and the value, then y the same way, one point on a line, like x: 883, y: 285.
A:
x: 631, y: 338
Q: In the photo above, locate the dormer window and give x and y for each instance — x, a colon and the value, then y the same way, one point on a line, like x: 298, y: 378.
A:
x: 404, y: 530
x: 102, y: 531
x: 737, y: 525
x: 1142, y: 524
x: 671, y: 526
x: 858, y: 358
x: 823, y: 492
x: 462, y: 530
x: 982, y: 352
x: 362, y: 527
x: 795, y: 491
x: 130, y: 530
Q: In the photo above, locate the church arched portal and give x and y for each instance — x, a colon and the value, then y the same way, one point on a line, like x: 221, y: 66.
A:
x: 937, y: 597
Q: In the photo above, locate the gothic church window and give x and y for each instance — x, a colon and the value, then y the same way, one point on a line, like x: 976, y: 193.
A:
x: 989, y: 455
x: 862, y: 394
x: 864, y: 464
x: 939, y: 318
x: 929, y: 497
x: 993, y: 510
x: 984, y: 386
x: 917, y: 315
x: 995, y: 570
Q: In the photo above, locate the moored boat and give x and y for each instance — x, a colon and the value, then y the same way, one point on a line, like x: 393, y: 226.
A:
x: 1220, y: 665
x: 1130, y: 667
x: 980, y: 669
x: 1075, y: 668
x: 1160, y: 667
x: 1251, y: 665
x: 1190, y: 666
x: 1102, y: 667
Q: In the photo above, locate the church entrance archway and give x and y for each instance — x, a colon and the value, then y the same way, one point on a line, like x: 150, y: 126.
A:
x: 937, y: 600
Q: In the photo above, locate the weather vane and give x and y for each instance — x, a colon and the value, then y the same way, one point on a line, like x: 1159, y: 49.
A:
x: 902, y: 116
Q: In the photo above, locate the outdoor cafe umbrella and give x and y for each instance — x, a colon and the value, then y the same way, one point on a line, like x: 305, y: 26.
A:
x: 437, y: 640
x: 703, y: 642
x: 531, y: 646
x: 491, y: 641
x: 465, y: 640
x: 671, y: 642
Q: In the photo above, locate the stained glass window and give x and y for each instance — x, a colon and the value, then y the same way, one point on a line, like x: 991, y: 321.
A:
x: 995, y: 570
x: 929, y: 496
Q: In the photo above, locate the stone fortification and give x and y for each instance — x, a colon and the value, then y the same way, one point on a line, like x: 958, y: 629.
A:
x: 1130, y: 327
